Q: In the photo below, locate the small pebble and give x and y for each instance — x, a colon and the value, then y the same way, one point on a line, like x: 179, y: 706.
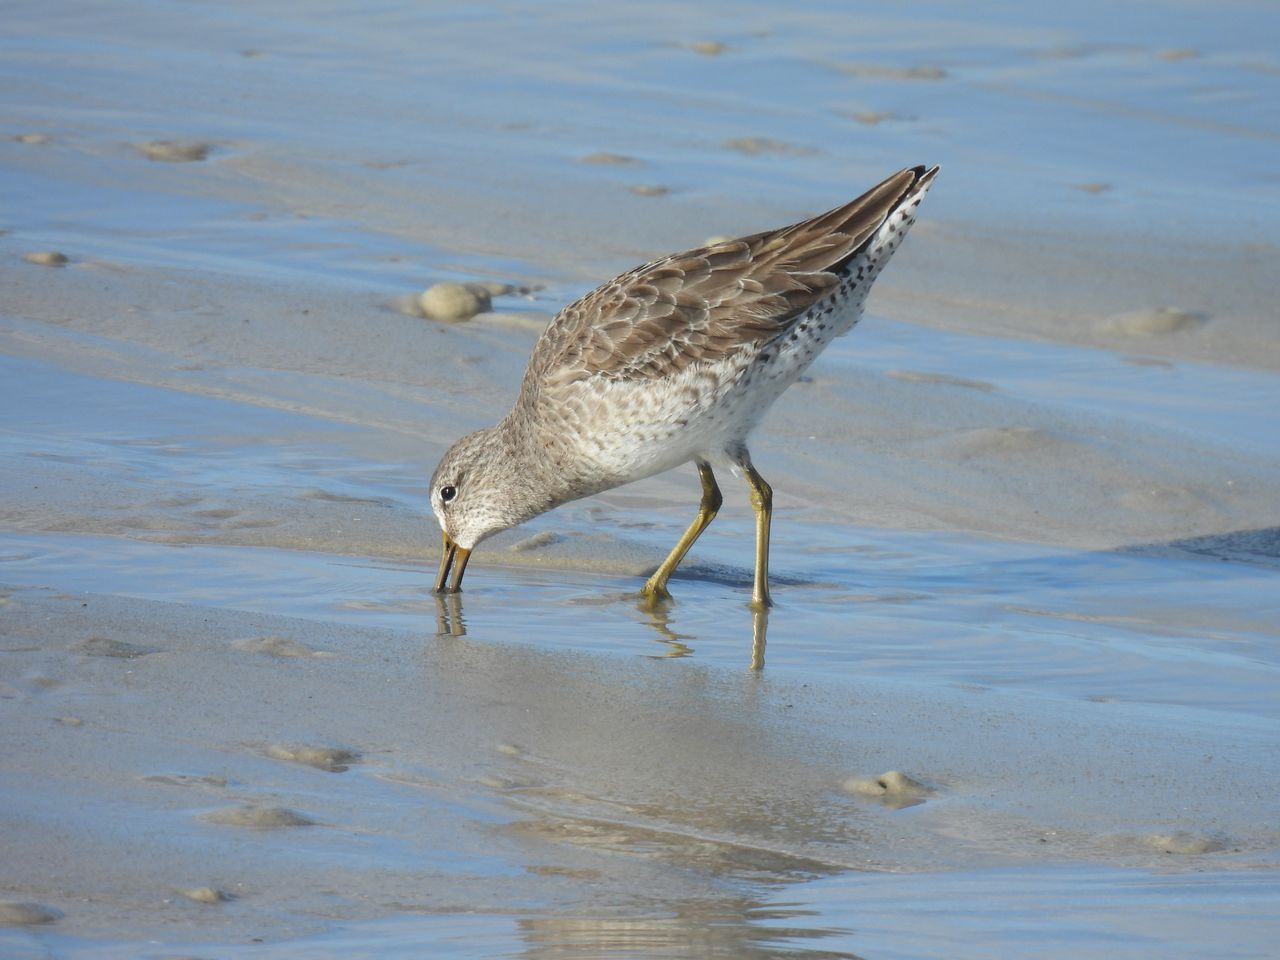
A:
x: 205, y: 895
x: 451, y: 302
x: 1154, y: 322
x: 650, y: 190
x: 891, y: 784
x: 16, y: 914
x: 870, y: 117
x: 47, y: 258
x: 174, y: 151
x: 1186, y: 844
x: 37, y: 139
x: 333, y: 759
x: 708, y: 48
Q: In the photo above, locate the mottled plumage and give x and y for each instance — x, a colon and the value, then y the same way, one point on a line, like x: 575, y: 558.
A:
x: 676, y: 360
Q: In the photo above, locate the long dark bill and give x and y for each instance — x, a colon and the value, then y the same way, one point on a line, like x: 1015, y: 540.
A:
x: 456, y: 557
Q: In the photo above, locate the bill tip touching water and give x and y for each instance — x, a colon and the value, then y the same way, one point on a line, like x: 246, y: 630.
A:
x: 674, y: 361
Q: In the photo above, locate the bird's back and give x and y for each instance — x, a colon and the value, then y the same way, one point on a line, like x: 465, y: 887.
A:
x: 684, y: 354
x: 702, y: 305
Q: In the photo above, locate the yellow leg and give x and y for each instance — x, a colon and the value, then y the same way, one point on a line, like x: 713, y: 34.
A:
x: 655, y: 587
x: 762, y: 503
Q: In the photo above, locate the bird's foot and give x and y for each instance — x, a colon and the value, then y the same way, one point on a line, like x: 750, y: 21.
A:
x: 654, y: 595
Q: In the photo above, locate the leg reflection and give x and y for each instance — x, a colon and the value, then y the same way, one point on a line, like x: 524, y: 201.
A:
x: 449, y: 622
x: 659, y: 618
x: 759, y: 627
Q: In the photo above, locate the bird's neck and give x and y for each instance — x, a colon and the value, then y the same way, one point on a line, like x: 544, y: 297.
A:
x: 546, y: 463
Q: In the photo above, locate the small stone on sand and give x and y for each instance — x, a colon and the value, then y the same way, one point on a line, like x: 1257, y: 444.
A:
x: 259, y: 818
x: 650, y: 190
x: 36, y: 139
x: 451, y: 302
x: 870, y: 117
x: 71, y: 721
x: 16, y: 914
x: 1154, y: 322
x: 893, y: 784
x: 47, y: 258
x: 604, y: 158
x: 333, y: 759
x: 174, y: 151
x: 1187, y: 844
x: 708, y: 48
x: 1094, y: 187
x: 205, y: 895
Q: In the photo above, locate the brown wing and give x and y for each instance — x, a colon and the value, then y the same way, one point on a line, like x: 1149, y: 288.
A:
x: 704, y: 304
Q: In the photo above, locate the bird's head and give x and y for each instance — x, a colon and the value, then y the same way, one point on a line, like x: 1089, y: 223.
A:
x: 480, y: 488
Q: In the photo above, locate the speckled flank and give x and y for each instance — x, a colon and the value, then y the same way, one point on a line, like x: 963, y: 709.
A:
x: 676, y: 360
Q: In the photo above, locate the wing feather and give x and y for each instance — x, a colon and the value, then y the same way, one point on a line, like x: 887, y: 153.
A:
x: 704, y: 304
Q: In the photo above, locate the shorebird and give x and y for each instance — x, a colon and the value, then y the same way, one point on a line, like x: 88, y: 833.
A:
x: 676, y: 360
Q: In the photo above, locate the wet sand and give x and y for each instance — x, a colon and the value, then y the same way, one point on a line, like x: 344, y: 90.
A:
x: 1018, y: 694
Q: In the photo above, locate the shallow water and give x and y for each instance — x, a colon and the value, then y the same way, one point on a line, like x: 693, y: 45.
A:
x: 1025, y: 547
x: 959, y: 915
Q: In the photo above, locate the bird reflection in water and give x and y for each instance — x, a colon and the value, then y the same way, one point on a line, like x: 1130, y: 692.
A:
x: 450, y: 623
x: 658, y: 616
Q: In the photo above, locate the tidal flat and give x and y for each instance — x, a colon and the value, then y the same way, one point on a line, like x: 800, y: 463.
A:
x: 1018, y: 694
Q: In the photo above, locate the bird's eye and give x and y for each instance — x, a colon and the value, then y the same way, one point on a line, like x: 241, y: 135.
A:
x: 448, y: 493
